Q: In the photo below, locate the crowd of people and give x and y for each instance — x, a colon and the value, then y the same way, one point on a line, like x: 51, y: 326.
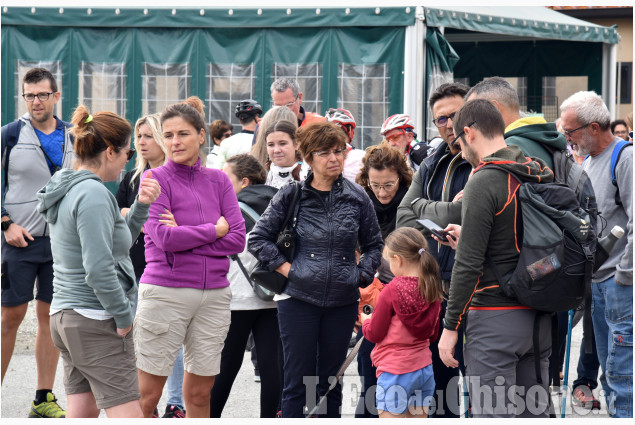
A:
x: 153, y: 285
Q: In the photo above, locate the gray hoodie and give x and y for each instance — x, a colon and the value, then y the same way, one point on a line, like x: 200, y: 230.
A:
x: 90, y: 241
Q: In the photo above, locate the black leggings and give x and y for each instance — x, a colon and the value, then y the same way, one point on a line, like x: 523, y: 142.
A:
x: 264, y: 326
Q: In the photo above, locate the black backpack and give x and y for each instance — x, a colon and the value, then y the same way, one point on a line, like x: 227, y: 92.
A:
x: 557, y: 253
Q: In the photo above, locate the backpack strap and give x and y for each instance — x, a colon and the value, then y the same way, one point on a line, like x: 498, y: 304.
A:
x: 615, y: 157
x: 249, y: 212
x: 10, y: 136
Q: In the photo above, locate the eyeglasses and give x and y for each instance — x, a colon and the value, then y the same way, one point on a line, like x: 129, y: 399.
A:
x: 130, y: 153
x: 396, y: 136
x: 226, y: 135
x: 290, y: 104
x: 568, y: 133
x: 44, y: 96
x: 388, y: 187
x: 456, y: 139
x: 326, y: 154
x: 442, y: 121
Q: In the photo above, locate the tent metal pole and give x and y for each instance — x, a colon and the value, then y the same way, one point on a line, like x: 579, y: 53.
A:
x: 420, y: 107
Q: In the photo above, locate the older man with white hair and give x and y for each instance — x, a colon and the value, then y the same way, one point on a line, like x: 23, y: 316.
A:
x: 585, y: 120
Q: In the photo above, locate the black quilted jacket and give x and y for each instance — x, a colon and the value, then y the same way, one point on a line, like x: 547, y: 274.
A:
x: 324, y: 271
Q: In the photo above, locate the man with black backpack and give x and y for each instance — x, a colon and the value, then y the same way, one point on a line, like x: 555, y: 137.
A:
x: 609, y: 165
x: 499, y: 351
x: 33, y: 148
x: 538, y: 138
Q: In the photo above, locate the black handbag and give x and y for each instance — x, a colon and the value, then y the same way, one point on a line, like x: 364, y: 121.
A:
x: 272, y: 280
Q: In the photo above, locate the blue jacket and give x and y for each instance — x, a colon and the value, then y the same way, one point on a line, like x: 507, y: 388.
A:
x: 324, y: 271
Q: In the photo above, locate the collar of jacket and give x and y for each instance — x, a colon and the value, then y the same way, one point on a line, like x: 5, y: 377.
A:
x: 337, y: 184
x: 181, y: 168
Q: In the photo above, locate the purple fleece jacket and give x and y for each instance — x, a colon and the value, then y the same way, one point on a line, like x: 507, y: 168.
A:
x: 190, y: 255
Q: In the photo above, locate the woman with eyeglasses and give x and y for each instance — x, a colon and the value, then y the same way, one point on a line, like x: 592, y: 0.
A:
x: 95, y: 285
x: 317, y: 317
x: 219, y: 130
x: 386, y: 177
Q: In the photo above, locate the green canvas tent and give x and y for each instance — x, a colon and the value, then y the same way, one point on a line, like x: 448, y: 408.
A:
x: 372, y: 61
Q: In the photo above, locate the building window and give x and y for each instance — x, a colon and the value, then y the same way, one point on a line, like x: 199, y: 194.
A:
x: 102, y: 87
x: 520, y: 84
x: 228, y: 84
x: 308, y: 76
x: 549, y: 102
x: 22, y: 67
x: 164, y: 84
x: 626, y: 82
x: 363, y: 90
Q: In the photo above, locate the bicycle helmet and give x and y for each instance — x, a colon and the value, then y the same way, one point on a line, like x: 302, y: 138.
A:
x: 397, y: 121
x: 339, y: 116
x: 248, y: 107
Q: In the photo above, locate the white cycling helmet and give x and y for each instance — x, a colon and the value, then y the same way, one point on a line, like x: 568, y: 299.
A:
x: 397, y: 121
x: 342, y: 117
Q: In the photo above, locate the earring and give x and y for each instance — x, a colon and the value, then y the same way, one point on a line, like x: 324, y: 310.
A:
x: 243, y: 186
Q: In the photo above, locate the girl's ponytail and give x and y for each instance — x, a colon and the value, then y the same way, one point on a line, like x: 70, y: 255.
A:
x: 410, y: 245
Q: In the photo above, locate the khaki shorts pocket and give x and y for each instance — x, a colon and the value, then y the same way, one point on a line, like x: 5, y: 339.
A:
x: 149, y: 339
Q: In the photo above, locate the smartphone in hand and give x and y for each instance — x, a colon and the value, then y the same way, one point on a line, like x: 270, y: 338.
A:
x: 435, y: 229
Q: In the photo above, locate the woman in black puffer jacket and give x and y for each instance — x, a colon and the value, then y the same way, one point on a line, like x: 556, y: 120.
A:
x: 317, y: 317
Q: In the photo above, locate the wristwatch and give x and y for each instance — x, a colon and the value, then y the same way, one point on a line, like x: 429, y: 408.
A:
x: 5, y: 225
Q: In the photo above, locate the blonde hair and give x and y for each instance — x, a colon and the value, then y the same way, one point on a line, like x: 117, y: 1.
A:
x: 412, y: 247
x: 273, y: 115
x: 154, y: 123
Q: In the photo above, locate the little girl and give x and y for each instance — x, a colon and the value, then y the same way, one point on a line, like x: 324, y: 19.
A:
x: 284, y: 159
x: 402, y: 325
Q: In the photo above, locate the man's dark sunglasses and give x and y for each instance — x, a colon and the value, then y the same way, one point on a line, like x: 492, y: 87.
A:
x: 443, y: 120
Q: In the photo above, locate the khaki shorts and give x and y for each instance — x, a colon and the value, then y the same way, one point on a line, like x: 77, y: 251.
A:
x: 168, y: 318
x: 96, y: 358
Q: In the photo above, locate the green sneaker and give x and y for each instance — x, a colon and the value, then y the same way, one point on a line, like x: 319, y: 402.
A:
x: 48, y: 409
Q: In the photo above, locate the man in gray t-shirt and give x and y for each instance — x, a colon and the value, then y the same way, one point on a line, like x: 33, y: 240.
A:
x: 586, y: 124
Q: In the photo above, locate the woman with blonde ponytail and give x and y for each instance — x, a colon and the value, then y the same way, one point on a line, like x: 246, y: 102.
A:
x: 402, y: 325
x: 94, y: 285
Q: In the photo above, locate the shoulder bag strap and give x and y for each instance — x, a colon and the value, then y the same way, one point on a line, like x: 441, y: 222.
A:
x: 235, y: 258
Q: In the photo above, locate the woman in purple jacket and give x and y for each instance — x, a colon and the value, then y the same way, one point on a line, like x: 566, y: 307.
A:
x: 184, y: 293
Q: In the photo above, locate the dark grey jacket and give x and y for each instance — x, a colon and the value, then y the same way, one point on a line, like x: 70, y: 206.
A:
x: 324, y: 271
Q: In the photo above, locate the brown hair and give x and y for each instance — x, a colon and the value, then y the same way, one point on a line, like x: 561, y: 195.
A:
x: 192, y: 111
x: 289, y: 128
x: 406, y: 242
x: 319, y: 136
x: 273, y: 115
x: 245, y: 165
x: 629, y: 121
x: 35, y: 75
x: 105, y: 129
x: 218, y: 128
x: 382, y: 157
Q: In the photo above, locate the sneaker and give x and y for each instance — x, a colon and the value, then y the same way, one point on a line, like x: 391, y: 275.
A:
x: 173, y: 411
x: 155, y: 414
x: 583, y: 396
x: 47, y: 409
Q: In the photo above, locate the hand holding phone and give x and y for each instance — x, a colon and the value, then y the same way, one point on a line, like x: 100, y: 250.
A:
x: 435, y: 229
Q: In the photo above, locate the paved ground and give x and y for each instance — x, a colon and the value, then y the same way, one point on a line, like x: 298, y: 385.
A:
x: 19, y: 386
